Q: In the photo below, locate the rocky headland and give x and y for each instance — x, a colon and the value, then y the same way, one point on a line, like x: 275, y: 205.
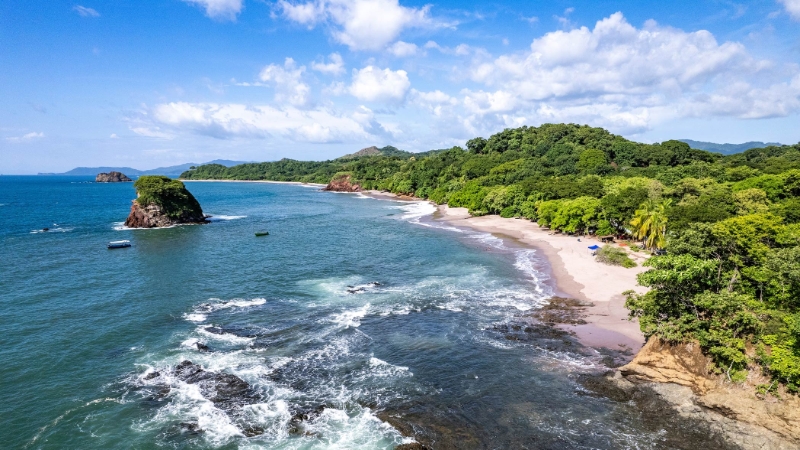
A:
x: 163, y: 202
x: 682, y: 379
x: 111, y: 177
x: 342, y: 183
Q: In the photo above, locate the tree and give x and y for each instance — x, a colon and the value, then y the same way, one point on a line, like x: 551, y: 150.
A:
x: 650, y: 223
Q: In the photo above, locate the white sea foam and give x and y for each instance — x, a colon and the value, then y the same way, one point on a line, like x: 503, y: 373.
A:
x: 195, y: 317
x: 53, y: 230
x: 489, y: 240
x: 223, y: 217
x: 238, y: 303
x: 526, y: 261
x: 120, y: 226
x: 224, y: 337
x: 351, y: 318
x: 413, y: 211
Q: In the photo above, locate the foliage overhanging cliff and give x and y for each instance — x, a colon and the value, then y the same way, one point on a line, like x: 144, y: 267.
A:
x: 170, y: 195
x: 730, y: 224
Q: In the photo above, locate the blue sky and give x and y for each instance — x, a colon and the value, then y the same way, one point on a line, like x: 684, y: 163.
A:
x: 151, y: 83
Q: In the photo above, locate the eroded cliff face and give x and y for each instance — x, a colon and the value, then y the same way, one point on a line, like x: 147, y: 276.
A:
x: 680, y: 375
x: 153, y: 216
x: 111, y: 177
x: 342, y: 184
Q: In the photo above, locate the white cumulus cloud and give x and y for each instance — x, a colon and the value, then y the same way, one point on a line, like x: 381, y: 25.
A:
x: 288, y: 82
x: 219, y: 9
x: 334, y: 67
x: 85, y: 12
x: 402, y: 49
x: 25, y: 137
x: 238, y: 120
x: 359, y: 24
x: 374, y: 84
x: 792, y: 7
x: 619, y: 74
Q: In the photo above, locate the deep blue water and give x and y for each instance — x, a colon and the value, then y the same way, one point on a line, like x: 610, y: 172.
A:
x: 90, y: 337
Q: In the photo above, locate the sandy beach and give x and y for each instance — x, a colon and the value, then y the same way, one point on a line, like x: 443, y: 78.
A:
x: 576, y: 275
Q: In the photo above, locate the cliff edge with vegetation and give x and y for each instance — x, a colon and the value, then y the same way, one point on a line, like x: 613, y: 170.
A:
x: 163, y: 202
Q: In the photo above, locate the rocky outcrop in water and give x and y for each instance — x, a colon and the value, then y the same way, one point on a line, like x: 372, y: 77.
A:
x: 227, y: 391
x: 162, y: 202
x: 680, y: 375
x: 342, y: 183
x: 111, y: 177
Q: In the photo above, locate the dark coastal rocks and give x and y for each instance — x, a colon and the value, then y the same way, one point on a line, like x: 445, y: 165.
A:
x: 561, y: 310
x: 688, y: 421
x: 304, y: 415
x: 111, y: 177
x: 227, y: 391
x: 342, y: 183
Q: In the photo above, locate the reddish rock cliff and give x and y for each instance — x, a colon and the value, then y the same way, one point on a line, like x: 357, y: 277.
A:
x: 342, y: 183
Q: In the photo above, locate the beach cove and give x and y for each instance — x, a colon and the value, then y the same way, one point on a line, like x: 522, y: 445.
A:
x: 356, y: 324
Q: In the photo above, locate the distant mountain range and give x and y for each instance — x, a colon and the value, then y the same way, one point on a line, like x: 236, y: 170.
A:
x: 173, y: 171
x: 728, y: 149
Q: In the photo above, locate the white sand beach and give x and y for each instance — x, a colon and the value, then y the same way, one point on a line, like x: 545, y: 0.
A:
x: 576, y: 274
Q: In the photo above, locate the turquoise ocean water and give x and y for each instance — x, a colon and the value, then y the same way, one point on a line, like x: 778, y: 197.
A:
x: 354, y: 315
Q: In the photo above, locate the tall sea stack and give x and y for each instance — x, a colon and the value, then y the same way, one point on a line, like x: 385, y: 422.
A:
x: 163, y: 202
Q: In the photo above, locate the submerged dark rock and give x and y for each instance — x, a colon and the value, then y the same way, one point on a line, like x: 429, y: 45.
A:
x: 202, y: 347
x: 227, y: 391
x: 304, y: 415
x: 561, y: 310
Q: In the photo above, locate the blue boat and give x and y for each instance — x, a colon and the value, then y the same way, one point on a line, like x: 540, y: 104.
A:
x: 119, y: 244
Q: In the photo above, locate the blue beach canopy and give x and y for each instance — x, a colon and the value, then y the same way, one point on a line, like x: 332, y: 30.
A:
x: 594, y: 247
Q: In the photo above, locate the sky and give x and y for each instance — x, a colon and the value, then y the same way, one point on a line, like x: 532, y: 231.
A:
x: 149, y: 83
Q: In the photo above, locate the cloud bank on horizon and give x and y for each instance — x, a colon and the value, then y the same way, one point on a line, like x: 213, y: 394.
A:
x: 279, y: 79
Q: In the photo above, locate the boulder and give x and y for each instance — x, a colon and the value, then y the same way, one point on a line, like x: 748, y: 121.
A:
x: 111, y: 177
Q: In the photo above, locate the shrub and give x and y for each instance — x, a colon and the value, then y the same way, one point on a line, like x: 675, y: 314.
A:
x: 614, y: 256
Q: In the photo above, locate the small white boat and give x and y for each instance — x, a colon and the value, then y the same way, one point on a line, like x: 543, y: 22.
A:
x: 119, y: 244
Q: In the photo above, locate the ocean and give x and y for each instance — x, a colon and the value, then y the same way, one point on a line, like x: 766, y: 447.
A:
x: 357, y: 323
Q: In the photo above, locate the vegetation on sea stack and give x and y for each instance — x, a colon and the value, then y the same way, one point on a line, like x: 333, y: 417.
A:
x: 171, y: 195
x: 730, y: 224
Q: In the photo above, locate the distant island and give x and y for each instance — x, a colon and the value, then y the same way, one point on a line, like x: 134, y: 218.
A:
x: 111, y: 177
x: 170, y: 171
x: 163, y: 202
x: 728, y: 149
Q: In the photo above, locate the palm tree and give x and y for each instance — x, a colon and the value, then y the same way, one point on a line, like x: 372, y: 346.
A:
x: 650, y: 223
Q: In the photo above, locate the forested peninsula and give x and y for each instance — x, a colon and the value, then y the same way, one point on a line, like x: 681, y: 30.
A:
x: 724, y: 229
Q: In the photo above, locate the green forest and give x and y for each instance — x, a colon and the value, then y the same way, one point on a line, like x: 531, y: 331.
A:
x: 725, y: 230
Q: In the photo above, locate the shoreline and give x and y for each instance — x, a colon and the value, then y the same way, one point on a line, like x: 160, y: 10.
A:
x: 574, y: 273
x: 298, y: 183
